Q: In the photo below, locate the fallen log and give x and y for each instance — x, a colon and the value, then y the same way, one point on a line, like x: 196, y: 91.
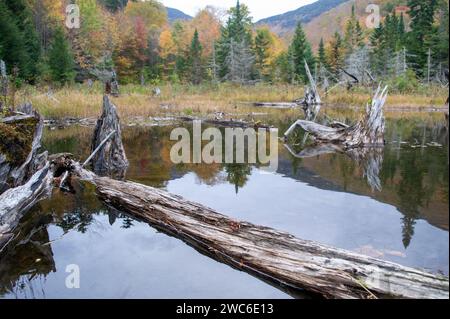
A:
x: 368, y: 132
x: 271, y: 255
x: 276, y: 105
x: 15, y: 202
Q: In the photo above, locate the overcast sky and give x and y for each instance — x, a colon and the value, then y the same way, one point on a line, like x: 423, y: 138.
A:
x: 259, y: 8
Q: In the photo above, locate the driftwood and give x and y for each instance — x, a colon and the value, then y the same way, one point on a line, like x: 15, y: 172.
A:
x: 15, y: 202
x: 276, y: 105
x: 367, y: 132
x: 15, y: 171
x: 111, y: 158
x: 276, y: 257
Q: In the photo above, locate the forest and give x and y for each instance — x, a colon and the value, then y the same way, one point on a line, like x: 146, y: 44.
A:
x: 136, y: 40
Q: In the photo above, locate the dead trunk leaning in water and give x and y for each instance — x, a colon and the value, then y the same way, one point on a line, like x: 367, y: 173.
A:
x: 274, y: 256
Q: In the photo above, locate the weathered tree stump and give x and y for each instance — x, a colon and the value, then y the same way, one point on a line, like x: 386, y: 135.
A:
x: 368, y: 132
x: 312, y: 102
x: 20, y: 140
x: 111, y: 158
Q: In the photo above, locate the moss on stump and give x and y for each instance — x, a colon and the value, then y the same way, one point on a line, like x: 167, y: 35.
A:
x: 16, y: 140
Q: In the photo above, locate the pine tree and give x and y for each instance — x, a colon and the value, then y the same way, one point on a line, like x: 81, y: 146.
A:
x: 262, y: 43
x: 22, y: 46
x: 114, y: 5
x: 236, y: 32
x: 60, y: 59
x: 301, y: 51
x: 195, y: 60
x: 336, y: 54
x: 321, y: 57
x: 354, y: 37
x: 422, y: 18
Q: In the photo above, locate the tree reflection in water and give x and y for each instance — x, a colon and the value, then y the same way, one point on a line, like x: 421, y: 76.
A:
x: 412, y: 180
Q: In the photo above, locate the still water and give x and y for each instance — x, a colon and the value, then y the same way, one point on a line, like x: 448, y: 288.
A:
x: 391, y: 204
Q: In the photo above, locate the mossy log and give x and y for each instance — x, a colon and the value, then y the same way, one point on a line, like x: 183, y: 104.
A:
x: 276, y: 257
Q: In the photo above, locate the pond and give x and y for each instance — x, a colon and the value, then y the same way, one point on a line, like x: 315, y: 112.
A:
x: 397, y: 210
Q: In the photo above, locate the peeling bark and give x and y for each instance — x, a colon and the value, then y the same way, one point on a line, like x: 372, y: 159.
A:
x: 15, y: 202
x: 368, y: 132
x: 13, y: 173
x: 111, y: 159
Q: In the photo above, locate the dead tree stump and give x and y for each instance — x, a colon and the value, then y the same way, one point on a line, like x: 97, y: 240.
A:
x: 368, y: 132
x: 20, y: 140
x: 111, y: 158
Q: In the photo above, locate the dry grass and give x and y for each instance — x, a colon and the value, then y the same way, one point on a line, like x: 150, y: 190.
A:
x: 80, y: 102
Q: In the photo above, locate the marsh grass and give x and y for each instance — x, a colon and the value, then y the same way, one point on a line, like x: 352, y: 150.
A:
x: 79, y: 101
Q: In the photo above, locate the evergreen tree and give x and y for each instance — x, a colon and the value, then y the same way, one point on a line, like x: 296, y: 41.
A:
x: 22, y: 47
x: 321, y: 57
x: 237, y: 31
x: 419, y: 42
x: 262, y: 43
x: 60, y: 59
x: 195, y: 60
x: 353, y: 37
x: 12, y: 43
x: 301, y: 51
x: 336, y: 54
x: 114, y: 5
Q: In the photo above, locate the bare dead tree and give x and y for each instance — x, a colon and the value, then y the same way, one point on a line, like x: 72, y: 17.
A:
x: 369, y: 131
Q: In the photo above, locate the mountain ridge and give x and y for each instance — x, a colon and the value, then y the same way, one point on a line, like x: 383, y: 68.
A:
x: 285, y: 23
x: 175, y: 14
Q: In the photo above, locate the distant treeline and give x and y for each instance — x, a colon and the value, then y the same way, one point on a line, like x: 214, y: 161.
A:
x: 135, y: 39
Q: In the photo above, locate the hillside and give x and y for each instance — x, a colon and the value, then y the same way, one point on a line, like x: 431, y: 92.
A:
x: 326, y: 24
x: 175, y: 14
x: 285, y: 23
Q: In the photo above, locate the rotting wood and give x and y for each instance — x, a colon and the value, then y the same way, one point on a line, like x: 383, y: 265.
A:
x: 271, y: 255
x: 368, y: 132
x: 15, y: 202
x: 312, y: 102
x: 24, y: 132
x: 111, y: 158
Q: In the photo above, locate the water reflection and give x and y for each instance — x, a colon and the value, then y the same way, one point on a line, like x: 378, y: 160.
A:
x: 411, y: 172
x: 391, y: 203
x: 370, y: 159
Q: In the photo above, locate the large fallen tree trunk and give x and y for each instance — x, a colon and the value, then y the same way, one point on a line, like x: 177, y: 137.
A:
x: 271, y: 255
